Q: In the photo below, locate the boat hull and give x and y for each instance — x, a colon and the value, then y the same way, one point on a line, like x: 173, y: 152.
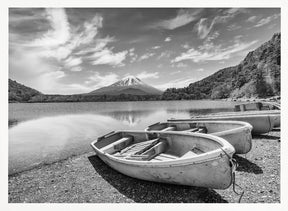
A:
x: 216, y: 173
x: 237, y: 133
x: 260, y: 123
x: 212, y: 169
x: 275, y: 115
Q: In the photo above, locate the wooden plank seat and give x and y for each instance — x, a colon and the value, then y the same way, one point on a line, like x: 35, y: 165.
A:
x: 198, y: 130
x: 169, y: 128
x: 117, y: 145
x: 138, y: 148
x: 192, y: 130
x: 145, y: 151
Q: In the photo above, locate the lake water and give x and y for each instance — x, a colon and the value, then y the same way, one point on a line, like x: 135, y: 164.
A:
x: 42, y: 133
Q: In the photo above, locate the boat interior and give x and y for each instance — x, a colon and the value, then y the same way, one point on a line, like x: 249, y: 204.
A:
x: 162, y: 147
x: 194, y: 127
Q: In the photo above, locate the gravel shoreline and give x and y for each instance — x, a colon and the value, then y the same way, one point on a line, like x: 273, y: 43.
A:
x: 86, y: 179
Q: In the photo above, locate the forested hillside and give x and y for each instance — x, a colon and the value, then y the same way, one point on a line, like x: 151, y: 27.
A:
x: 258, y: 75
x: 21, y: 93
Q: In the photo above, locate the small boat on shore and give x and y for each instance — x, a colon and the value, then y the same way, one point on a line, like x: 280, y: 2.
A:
x: 237, y: 133
x: 257, y: 106
x: 192, y: 159
x: 260, y: 108
x: 261, y: 123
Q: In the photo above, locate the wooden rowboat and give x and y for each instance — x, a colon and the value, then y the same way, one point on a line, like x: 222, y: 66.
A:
x: 261, y: 123
x: 264, y: 108
x: 237, y: 133
x: 260, y: 108
x: 201, y: 160
x: 257, y: 106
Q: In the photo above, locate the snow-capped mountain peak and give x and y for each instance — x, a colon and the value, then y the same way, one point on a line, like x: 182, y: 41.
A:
x: 129, y: 85
x: 128, y: 81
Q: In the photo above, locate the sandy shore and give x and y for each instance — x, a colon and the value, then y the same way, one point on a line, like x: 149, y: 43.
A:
x: 85, y: 178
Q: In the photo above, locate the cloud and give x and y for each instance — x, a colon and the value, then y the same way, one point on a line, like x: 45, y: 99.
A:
x: 133, y: 56
x: 179, y: 65
x: 176, y: 72
x: 91, y: 29
x: 99, y: 44
x: 212, y: 36
x: 131, y: 51
x: 236, y: 11
x: 47, y: 78
x: 213, y: 53
x: 51, y: 84
x: 106, y: 56
x: 156, y: 47
x: 76, y: 69
x: 267, y: 20
x: 97, y: 81
x: 60, y: 32
x: 238, y: 37
x: 183, y: 17
x: 233, y: 27
x: 145, y: 75
x: 59, y: 46
x: 203, y: 27
x: 164, y: 54
x: 185, y: 46
x: 251, y: 19
x: 228, y: 14
x: 72, y: 61
x: 167, y: 39
x: 178, y: 83
x: 61, y: 40
x: 146, y: 56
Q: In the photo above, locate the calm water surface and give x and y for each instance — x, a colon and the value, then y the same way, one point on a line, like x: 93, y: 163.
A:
x: 46, y: 132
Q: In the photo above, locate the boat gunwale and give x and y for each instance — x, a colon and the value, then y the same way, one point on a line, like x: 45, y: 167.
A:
x: 221, y: 117
x: 277, y: 105
x: 242, y: 113
x: 243, y: 126
x: 209, y: 156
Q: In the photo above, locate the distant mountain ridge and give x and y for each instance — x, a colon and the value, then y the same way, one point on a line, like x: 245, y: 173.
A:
x: 258, y: 75
x: 128, y: 85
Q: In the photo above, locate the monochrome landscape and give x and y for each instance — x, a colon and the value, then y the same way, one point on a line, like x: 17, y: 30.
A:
x: 76, y: 74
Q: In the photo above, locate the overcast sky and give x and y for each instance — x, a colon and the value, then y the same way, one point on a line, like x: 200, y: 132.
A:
x: 69, y: 51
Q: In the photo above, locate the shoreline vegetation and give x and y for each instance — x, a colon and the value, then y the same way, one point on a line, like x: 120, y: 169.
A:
x: 274, y: 98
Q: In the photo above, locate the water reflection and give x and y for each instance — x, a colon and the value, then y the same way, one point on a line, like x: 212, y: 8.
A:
x: 131, y: 118
x: 49, y: 135
x: 52, y: 138
x: 49, y: 139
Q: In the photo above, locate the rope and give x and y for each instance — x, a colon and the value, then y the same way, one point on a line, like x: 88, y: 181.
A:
x: 234, y: 166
